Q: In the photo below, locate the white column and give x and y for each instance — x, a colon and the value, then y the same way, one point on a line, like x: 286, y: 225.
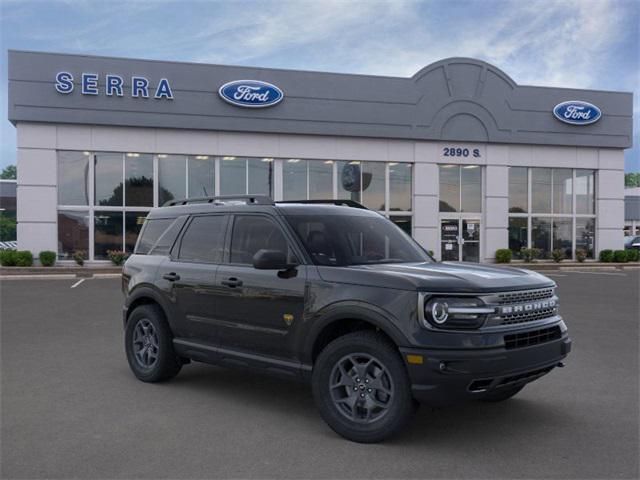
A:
x: 426, y: 189
x: 496, y: 210
x: 610, y: 200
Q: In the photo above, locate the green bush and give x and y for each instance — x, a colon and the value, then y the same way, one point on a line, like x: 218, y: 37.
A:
x: 558, y: 255
x: 526, y: 254
x: 117, y: 257
x: 24, y: 258
x: 581, y: 254
x: 633, y: 255
x: 606, y: 255
x: 79, y: 256
x: 47, y: 258
x: 620, y: 256
x: 503, y: 255
x: 8, y: 258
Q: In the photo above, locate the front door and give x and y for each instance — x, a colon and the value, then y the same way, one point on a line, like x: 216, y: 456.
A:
x: 460, y: 239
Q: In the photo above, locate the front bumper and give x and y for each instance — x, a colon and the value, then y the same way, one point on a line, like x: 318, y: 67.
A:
x: 451, y: 376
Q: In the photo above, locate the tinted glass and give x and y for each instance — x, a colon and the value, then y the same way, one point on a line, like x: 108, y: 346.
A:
x: 320, y: 179
x: 260, y: 176
x: 233, y: 176
x: 171, y: 177
x: 73, y: 178
x: 349, y: 174
x: 138, y: 170
x: 151, y: 233
x: 541, y: 190
x: 203, y: 240
x: 562, y: 235
x: 201, y: 176
x: 585, y: 235
x: 108, y: 233
x: 339, y: 240
x: 471, y: 188
x: 373, y: 178
x: 294, y: 179
x: 167, y: 239
x: 585, y: 191
x: 449, y: 188
x: 517, y: 235
x: 133, y: 222
x: 562, y: 190
x: 518, y: 190
x: 403, y: 222
x: 252, y: 233
x: 541, y: 235
x: 73, y: 233
x: 108, y: 179
x: 400, y: 186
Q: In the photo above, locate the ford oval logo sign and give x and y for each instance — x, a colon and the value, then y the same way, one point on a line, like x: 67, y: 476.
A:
x: 577, y: 112
x: 251, y: 93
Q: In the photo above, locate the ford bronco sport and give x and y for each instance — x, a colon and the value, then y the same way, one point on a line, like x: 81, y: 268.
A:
x: 332, y: 293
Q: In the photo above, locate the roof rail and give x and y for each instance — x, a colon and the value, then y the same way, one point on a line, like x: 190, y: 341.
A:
x: 339, y: 202
x: 248, y: 199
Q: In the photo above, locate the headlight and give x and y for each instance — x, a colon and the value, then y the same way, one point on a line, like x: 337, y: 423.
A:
x: 455, y: 312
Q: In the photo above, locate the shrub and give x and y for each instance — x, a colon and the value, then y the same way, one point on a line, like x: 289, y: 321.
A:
x: 117, y: 257
x: 79, y: 256
x: 606, y: 256
x: 633, y: 255
x: 526, y: 254
x: 47, y: 258
x: 620, y: 256
x: 558, y: 255
x: 24, y: 258
x: 8, y: 258
x: 503, y: 255
x: 581, y: 254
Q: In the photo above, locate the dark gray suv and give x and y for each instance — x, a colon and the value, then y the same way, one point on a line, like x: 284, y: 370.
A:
x: 332, y: 293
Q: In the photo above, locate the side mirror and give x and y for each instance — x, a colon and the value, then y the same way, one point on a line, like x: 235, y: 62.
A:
x: 270, y: 260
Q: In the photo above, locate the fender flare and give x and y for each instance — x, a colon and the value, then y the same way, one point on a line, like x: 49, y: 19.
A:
x: 146, y: 291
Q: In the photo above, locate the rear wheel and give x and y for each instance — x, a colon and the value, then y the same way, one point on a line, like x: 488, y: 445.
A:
x: 501, y: 394
x: 361, y: 387
x: 149, y: 345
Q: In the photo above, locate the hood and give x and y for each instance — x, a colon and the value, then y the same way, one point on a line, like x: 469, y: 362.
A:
x: 437, y: 277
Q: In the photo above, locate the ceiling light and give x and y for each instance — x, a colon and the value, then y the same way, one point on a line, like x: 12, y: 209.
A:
x: 470, y: 166
x: 267, y: 160
x: 162, y: 156
x: 293, y: 160
x: 86, y: 153
x: 393, y: 164
x: 133, y: 154
x: 354, y: 163
x: 202, y: 157
x: 228, y: 158
x: 329, y: 162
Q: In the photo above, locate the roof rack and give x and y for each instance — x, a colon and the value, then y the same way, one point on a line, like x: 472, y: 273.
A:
x: 339, y: 202
x: 221, y: 200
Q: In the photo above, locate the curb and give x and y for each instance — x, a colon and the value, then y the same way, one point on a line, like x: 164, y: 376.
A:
x: 86, y: 272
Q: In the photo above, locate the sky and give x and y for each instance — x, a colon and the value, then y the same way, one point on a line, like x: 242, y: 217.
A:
x: 565, y: 43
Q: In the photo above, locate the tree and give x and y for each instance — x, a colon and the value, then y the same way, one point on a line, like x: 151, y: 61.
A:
x: 632, y: 180
x: 9, y: 173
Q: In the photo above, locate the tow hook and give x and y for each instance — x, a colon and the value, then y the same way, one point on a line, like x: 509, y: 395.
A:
x: 560, y: 365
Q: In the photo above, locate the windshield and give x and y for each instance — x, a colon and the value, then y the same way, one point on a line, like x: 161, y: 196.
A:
x: 342, y: 240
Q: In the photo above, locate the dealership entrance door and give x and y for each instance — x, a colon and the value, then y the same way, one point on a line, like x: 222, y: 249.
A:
x: 460, y: 239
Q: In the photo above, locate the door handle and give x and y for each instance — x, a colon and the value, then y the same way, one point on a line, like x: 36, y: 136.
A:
x: 172, y: 277
x: 232, y: 282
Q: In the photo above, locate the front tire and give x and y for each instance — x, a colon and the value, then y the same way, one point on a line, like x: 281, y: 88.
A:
x: 361, y: 387
x: 149, y: 345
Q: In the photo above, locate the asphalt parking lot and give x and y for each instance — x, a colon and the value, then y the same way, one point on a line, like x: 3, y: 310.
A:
x: 71, y: 408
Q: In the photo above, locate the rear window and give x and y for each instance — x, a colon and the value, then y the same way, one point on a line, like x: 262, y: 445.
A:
x: 203, y: 240
x: 150, y: 234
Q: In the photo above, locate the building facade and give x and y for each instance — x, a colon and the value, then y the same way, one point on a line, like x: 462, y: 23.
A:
x: 459, y: 155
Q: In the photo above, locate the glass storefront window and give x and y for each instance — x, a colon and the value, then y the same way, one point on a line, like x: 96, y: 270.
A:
x: 541, y: 235
x: 138, y: 171
x: 471, y: 191
x: 108, y: 179
x: 233, y: 176
x: 373, y: 181
x: 107, y: 233
x: 320, y: 179
x: 202, y: 176
x: 517, y: 235
x: 585, y: 235
x: 400, y: 176
x: 404, y: 222
x: 171, y: 178
x: 585, y: 192
x: 73, y: 178
x: 541, y: 190
x: 294, y: 179
x: 518, y: 190
x: 562, y: 190
x: 133, y: 222
x: 73, y: 233
x: 562, y: 235
x: 449, y: 188
x: 260, y: 176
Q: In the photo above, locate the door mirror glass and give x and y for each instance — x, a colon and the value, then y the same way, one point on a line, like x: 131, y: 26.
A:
x: 270, y: 260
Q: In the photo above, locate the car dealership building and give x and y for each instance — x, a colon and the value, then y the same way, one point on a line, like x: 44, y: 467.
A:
x: 458, y: 155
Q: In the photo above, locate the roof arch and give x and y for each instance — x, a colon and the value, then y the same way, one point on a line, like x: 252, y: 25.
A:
x: 446, y: 63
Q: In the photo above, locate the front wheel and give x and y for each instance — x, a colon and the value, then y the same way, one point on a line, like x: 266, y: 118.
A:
x: 361, y: 387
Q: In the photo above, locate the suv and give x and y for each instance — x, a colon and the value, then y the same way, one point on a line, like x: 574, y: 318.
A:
x: 337, y: 295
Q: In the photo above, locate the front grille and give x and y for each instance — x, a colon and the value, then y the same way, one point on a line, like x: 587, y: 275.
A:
x: 534, y: 337
x: 538, y: 296
x: 508, y: 298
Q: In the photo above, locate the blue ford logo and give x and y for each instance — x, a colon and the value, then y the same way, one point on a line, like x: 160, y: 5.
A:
x: 250, y: 93
x: 576, y: 112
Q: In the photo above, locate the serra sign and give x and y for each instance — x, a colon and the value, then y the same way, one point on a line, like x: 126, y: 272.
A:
x: 250, y: 93
x: 113, y: 85
x: 577, y: 112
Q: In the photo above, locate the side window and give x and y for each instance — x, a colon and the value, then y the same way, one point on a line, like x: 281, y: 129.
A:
x: 150, y: 234
x: 204, y: 239
x: 252, y: 233
x: 167, y: 239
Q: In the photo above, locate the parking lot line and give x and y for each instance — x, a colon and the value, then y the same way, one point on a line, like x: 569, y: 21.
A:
x: 78, y: 283
x: 600, y: 273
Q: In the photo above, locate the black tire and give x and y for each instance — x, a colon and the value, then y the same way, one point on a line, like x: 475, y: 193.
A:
x: 165, y: 364
x: 364, y: 419
x: 501, y: 394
